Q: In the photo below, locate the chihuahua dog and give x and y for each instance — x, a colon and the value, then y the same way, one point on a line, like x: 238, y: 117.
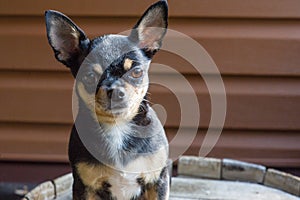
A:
x: 118, y: 149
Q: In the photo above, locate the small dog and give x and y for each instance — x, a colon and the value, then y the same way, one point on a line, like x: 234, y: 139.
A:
x: 118, y: 149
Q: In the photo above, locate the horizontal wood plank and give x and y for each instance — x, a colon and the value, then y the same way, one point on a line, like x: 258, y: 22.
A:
x: 236, y: 47
x: 252, y: 103
x: 47, y: 96
x: 31, y: 172
x: 34, y: 142
x: 178, y: 8
x: 270, y: 148
x: 48, y: 143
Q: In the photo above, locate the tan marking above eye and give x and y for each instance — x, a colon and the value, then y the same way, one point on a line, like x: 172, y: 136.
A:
x: 127, y: 64
x: 98, y: 69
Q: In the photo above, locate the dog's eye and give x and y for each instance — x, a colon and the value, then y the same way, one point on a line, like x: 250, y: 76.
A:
x: 137, y: 73
x: 90, y: 78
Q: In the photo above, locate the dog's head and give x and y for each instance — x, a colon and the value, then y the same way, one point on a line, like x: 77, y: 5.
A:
x: 111, y: 71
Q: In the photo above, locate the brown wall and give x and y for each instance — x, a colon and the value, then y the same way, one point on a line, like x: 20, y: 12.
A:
x: 255, y: 44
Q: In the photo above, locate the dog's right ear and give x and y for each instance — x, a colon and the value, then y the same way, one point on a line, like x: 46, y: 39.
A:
x: 67, y: 40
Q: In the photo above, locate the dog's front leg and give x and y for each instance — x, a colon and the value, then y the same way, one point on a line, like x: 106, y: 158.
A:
x: 158, y: 190
x: 163, y: 185
x: 78, y: 189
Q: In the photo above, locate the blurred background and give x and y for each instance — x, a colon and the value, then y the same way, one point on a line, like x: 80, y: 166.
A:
x: 255, y: 44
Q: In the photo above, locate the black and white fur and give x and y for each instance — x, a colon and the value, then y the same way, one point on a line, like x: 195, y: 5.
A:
x: 118, y: 149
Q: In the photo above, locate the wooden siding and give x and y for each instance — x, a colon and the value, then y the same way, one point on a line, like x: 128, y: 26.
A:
x: 255, y: 44
x: 178, y: 8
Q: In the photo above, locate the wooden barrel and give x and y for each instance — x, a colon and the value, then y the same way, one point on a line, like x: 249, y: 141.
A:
x: 204, y: 179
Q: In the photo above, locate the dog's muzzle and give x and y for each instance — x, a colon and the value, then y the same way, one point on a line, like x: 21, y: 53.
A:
x: 116, y: 98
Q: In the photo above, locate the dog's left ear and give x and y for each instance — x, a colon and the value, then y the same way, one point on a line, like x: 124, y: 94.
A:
x: 151, y: 28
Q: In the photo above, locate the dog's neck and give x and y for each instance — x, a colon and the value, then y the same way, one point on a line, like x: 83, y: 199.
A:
x: 113, y: 139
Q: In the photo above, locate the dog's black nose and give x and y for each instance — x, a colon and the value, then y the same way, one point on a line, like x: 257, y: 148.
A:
x: 117, y: 94
x: 121, y: 94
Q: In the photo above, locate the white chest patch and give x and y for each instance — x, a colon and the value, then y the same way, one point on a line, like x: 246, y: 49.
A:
x: 124, y: 186
x: 115, y: 136
x: 148, y: 167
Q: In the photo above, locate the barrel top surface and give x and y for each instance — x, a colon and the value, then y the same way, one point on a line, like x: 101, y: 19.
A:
x: 204, y: 189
